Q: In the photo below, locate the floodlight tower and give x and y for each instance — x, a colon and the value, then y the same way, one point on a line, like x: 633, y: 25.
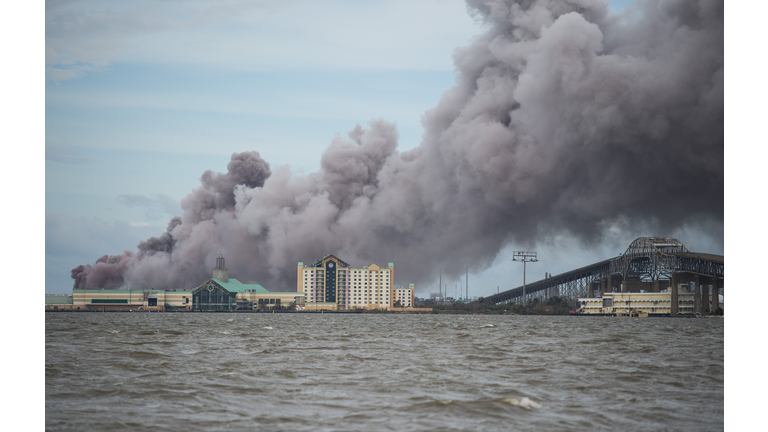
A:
x: 524, y: 257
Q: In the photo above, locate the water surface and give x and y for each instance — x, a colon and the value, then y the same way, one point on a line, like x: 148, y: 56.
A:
x: 333, y: 372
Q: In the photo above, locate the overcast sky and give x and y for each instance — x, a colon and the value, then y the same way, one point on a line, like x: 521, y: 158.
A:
x: 142, y: 97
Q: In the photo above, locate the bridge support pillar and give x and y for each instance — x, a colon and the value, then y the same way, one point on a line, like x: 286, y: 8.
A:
x: 697, y: 289
x: 715, y: 295
x: 624, y: 286
x: 656, y: 286
x: 704, y: 299
x: 673, y: 295
x: 610, y: 284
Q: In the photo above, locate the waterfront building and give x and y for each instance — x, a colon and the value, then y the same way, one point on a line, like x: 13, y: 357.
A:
x: 222, y: 293
x: 58, y: 302
x: 328, y: 284
x: 104, y: 300
x: 219, y: 293
x: 222, y: 296
x: 332, y: 284
x: 643, y: 303
x: 405, y: 296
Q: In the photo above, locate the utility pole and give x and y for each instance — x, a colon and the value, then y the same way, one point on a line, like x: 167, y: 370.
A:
x: 524, y: 257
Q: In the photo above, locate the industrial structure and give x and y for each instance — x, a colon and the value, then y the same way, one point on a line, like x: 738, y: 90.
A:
x: 649, y: 265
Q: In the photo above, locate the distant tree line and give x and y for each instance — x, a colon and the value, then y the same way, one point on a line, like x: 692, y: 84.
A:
x: 551, y: 306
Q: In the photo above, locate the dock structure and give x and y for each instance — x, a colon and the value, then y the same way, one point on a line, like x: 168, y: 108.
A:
x: 650, y: 264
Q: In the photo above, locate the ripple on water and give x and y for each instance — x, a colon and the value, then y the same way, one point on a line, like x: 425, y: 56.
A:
x: 381, y: 372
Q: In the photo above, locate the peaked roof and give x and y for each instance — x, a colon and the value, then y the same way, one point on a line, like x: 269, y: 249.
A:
x: 318, y: 262
x: 234, y: 285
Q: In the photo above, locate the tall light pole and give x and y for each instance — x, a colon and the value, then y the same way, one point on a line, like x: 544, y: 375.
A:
x: 524, y: 257
x: 440, y: 285
x: 467, y: 282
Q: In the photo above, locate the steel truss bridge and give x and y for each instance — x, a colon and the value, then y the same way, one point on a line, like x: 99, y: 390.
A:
x: 650, y: 263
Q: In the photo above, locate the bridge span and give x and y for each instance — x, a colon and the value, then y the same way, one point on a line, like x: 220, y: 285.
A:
x: 649, y: 264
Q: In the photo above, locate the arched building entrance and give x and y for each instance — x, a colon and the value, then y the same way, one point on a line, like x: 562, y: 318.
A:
x: 211, y: 296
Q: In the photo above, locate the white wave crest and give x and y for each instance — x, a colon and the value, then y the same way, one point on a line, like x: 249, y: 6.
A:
x: 522, y: 403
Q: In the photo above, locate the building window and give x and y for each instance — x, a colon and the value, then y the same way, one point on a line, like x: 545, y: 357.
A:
x: 109, y: 301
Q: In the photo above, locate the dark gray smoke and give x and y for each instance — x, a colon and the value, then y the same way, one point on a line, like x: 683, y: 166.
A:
x: 564, y: 119
x: 107, y: 272
x: 164, y: 243
x: 217, y: 192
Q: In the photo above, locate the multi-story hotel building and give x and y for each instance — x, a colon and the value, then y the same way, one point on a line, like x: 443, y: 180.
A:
x: 404, y: 296
x: 338, y: 286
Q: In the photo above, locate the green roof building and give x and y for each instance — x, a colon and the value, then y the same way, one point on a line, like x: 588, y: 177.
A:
x: 222, y: 293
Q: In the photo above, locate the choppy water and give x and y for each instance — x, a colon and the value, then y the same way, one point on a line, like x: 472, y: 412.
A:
x: 308, y: 372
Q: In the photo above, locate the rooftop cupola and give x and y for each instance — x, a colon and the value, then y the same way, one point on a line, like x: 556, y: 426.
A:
x: 220, y: 272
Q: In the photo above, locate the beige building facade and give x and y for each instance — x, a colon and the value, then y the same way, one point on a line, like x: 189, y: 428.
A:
x: 331, y: 281
x: 405, y: 296
x: 640, y: 304
x: 104, y: 300
x: 108, y: 300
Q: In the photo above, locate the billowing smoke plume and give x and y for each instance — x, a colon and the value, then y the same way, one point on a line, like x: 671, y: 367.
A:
x: 564, y: 119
